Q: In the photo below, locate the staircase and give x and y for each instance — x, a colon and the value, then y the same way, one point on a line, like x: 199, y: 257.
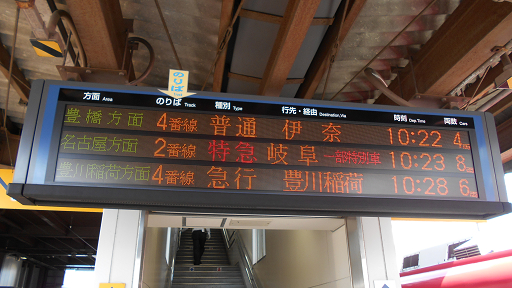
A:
x: 214, y: 272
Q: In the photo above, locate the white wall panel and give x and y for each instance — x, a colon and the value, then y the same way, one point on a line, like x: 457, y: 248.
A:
x: 155, y: 264
x: 305, y: 258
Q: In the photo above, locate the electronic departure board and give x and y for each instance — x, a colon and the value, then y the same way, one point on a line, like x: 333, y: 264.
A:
x: 128, y: 147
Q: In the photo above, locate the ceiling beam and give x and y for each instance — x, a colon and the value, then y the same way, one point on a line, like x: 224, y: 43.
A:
x: 56, y: 223
x: 58, y: 261
x: 226, y: 16
x: 8, y: 149
x: 296, y: 22
x: 30, y: 259
x: 63, y: 244
x: 459, y: 47
x: 482, y: 86
x: 56, y: 254
x: 102, y: 31
x: 19, y: 82
x: 9, y: 222
x: 34, y: 19
x: 11, y: 127
x: 30, y: 241
x: 501, y: 105
x: 504, y: 131
x: 334, y: 37
x: 260, y: 16
x: 54, y: 249
x: 506, y: 156
x: 51, y: 219
x: 90, y: 233
x: 270, y: 18
x: 257, y: 80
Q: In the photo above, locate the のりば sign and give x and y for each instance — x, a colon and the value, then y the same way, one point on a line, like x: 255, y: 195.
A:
x: 178, y: 84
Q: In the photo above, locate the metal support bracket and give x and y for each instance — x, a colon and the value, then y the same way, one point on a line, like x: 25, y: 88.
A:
x: 97, y: 75
x: 438, y: 101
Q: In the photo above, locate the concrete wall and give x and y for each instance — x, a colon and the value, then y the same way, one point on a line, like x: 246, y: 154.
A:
x: 155, y: 264
x: 302, y: 259
x: 372, y: 251
x: 10, y: 273
x: 246, y: 236
x: 232, y: 252
x: 120, y: 247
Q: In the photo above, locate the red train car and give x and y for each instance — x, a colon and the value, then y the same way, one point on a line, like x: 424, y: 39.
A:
x: 492, y: 270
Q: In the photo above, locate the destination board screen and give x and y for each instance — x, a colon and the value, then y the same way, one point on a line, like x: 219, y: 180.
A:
x: 285, y: 154
x: 150, y: 143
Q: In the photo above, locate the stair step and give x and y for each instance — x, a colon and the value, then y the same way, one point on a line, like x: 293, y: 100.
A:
x: 227, y: 280
x: 204, y: 259
x: 203, y: 262
x: 206, y: 268
x: 206, y: 253
x: 189, y: 239
x: 205, y: 256
x: 208, y: 242
x: 207, y: 245
x: 212, y: 235
x: 201, y: 274
x: 206, y: 250
x: 208, y: 285
x: 214, y: 272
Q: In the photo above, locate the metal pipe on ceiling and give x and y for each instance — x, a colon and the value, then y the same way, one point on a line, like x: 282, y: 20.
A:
x: 52, y: 24
x: 500, y: 96
x: 151, y: 59
x: 168, y: 35
x: 466, y: 105
x: 62, y: 32
x: 379, y: 83
x: 506, y: 61
x: 493, y: 59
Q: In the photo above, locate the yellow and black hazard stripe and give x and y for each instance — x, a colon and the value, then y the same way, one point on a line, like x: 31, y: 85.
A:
x: 46, y: 48
x: 507, y: 84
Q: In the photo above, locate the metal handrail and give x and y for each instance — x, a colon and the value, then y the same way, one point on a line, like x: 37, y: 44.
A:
x: 179, y: 238
x: 245, y: 260
x: 230, y: 239
x: 172, y: 260
x: 151, y: 61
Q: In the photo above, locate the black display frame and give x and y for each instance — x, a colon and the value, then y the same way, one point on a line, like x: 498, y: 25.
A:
x: 225, y: 201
